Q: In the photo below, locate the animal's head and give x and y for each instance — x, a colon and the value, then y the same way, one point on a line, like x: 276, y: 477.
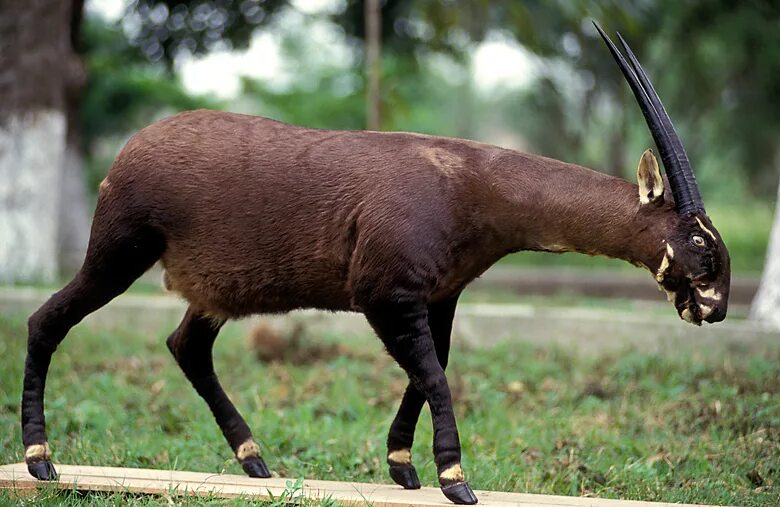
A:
x: 695, y: 270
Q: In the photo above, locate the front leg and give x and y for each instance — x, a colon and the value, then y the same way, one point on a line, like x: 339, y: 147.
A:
x: 401, y: 435
x: 403, y: 328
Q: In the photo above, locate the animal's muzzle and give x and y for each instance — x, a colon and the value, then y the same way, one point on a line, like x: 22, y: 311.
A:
x: 717, y: 315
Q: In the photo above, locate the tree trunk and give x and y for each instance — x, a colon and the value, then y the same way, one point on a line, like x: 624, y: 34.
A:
x: 373, y: 19
x: 73, y: 226
x: 766, y: 305
x: 34, y: 53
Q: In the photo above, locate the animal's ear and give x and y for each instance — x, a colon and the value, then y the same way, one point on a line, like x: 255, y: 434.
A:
x: 648, y: 174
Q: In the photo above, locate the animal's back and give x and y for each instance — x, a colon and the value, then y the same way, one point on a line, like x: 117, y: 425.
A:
x: 260, y: 216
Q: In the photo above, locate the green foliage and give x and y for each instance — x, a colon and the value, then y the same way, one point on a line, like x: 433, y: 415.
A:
x: 123, y: 93
x: 164, y: 29
x: 688, y: 428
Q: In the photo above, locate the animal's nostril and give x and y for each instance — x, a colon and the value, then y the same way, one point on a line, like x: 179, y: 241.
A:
x: 717, y: 315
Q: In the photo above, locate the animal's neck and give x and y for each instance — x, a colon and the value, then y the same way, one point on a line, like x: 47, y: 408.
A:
x: 548, y: 205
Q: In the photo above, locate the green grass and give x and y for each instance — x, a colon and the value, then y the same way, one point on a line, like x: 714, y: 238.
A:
x: 697, y: 429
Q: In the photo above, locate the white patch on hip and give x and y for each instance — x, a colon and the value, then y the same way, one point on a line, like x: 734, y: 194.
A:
x: 446, y: 161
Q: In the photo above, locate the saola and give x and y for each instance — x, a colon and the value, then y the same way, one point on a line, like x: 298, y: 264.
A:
x: 249, y: 215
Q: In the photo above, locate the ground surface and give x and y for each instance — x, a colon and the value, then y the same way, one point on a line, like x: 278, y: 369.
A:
x: 678, y: 428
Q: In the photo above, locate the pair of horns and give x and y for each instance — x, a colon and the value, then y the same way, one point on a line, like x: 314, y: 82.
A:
x: 678, y: 168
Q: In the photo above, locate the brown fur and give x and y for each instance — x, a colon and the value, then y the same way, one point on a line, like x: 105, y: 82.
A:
x: 259, y: 216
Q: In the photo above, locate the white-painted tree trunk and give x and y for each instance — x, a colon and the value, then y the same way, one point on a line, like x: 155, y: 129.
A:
x: 766, y: 305
x: 73, y: 233
x: 32, y: 150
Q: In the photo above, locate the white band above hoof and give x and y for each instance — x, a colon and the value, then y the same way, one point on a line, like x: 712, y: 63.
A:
x: 453, y: 473
x: 248, y: 449
x: 400, y: 457
x: 37, y: 452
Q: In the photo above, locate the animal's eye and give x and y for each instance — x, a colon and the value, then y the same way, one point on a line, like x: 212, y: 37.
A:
x: 698, y: 240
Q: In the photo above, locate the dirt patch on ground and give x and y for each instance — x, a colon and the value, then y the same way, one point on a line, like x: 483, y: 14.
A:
x: 296, y: 347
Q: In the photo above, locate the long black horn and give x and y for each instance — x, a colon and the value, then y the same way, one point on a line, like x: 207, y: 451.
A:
x: 675, y: 160
x: 681, y: 164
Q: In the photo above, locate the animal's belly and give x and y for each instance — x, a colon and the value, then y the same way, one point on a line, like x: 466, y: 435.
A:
x: 238, y: 293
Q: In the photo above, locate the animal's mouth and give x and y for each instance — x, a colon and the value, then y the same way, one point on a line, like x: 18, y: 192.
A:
x: 687, y: 307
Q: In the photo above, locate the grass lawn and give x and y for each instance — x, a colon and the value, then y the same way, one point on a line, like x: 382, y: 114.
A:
x: 677, y: 428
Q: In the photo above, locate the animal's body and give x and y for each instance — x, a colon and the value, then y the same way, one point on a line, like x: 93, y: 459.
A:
x: 302, y: 218
x: 249, y: 215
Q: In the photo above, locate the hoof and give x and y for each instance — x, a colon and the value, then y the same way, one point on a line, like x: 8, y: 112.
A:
x: 255, y: 467
x: 460, y: 493
x: 405, y: 475
x: 42, y: 470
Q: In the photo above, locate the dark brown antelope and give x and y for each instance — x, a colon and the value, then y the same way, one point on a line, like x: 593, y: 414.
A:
x: 249, y: 215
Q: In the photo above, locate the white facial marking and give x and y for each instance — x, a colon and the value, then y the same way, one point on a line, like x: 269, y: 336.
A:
x: 669, y: 251
x: 453, y: 473
x: 706, y: 230
x: 709, y: 293
x: 401, y: 456
x: 705, y: 310
x: 659, y: 276
x: 688, y: 317
x: 248, y: 449
x: 37, y: 452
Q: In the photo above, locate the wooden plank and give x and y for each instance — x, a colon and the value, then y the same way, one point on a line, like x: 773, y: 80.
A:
x: 173, y: 483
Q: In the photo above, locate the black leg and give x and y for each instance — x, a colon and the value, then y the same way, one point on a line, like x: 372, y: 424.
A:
x: 191, y: 344
x: 403, y: 327
x: 401, y: 435
x: 107, y: 272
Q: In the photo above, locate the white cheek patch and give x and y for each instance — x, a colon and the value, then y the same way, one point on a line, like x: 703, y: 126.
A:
x: 705, y: 310
x: 659, y: 276
x: 706, y: 230
x: 688, y: 317
x: 709, y: 293
x: 401, y: 456
x: 665, y: 264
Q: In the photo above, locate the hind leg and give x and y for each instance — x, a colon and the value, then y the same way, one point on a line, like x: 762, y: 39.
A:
x: 109, y: 269
x: 191, y: 345
x: 401, y: 435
